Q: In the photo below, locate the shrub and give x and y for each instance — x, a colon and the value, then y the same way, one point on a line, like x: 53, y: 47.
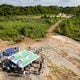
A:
x: 70, y: 28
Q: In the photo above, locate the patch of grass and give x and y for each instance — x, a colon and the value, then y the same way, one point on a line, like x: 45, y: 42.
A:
x: 14, y: 27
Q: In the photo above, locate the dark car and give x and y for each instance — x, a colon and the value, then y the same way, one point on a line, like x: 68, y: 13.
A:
x: 8, y: 66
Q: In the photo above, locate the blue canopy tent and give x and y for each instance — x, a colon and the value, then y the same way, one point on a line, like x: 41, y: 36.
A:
x: 9, y: 51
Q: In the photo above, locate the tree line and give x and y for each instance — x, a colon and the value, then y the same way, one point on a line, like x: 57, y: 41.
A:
x: 6, y: 10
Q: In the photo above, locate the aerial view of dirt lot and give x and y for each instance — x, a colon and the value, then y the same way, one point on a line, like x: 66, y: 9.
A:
x: 61, y: 58
x: 39, y: 39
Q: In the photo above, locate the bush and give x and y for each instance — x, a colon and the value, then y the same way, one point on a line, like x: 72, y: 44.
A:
x: 14, y: 27
x: 70, y: 28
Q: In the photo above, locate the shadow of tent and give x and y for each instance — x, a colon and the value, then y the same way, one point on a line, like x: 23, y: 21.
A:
x: 15, y: 74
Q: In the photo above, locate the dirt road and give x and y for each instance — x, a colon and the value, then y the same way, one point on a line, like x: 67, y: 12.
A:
x: 53, y: 27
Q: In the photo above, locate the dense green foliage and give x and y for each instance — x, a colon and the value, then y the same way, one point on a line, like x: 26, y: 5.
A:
x: 70, y: 28
x: 17, y: 22
x: 33, y: 10
x: 12, y: 10
x: 17, y: 27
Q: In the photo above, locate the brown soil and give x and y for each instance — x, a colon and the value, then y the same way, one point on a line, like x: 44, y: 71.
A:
x: 57, y: 49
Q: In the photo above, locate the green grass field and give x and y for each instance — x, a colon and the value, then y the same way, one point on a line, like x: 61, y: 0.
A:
x: 14, y: 27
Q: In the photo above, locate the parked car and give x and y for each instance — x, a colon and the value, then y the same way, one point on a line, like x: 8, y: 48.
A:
x: 8, y: 66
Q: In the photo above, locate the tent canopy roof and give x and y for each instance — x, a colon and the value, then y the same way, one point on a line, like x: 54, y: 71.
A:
x: 23, y: 58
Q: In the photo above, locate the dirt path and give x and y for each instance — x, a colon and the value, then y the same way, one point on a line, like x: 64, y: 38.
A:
x: 53, y: 27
